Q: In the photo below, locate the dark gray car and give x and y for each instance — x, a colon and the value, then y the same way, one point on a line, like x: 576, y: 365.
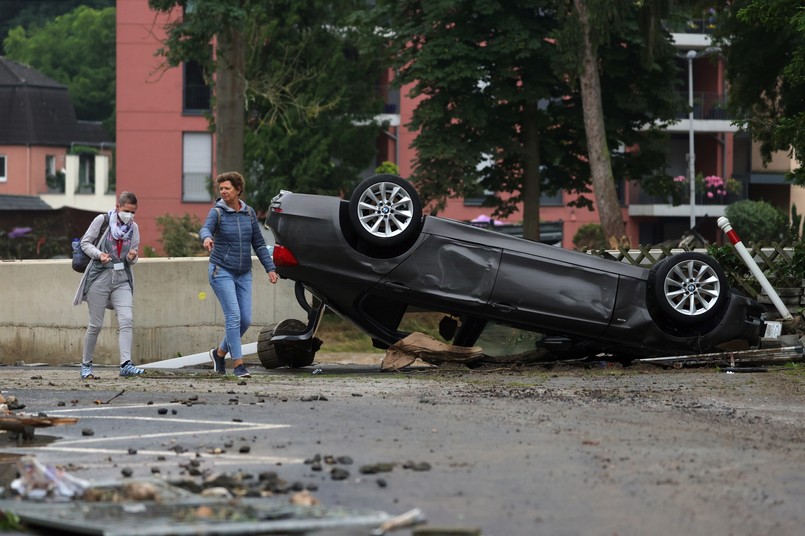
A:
x: 374, y: 258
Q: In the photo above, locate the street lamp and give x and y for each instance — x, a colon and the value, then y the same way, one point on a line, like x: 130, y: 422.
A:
x: 691, y: 154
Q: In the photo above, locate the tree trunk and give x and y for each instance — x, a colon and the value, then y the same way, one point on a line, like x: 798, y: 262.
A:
x: 230, y: 105
x: 609, y: 210
x: 531, y: 175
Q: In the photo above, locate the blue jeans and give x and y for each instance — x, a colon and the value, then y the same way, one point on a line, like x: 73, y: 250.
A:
x: 234, y: 293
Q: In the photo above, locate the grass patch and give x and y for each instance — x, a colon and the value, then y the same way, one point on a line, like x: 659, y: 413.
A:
x: 338, y: 335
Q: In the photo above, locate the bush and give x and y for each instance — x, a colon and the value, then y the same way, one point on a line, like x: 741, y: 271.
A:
x: 387, y: 167
x: 590, y: 236
x: 757, y: 221
x: 180, y: 235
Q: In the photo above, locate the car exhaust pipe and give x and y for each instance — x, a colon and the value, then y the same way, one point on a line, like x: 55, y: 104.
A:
x: 724, y: 223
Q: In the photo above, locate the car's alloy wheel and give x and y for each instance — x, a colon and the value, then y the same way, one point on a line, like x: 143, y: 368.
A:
x: 294, y: 354
x: 385, y: 210
x: 689, y: 287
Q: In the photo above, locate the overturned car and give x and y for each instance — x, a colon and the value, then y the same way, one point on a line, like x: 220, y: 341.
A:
x: 375, y: 258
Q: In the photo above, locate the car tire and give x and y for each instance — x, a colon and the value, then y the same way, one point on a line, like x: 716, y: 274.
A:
x: 385, y: 210
x: 689, y: 288
x: 294, y: 355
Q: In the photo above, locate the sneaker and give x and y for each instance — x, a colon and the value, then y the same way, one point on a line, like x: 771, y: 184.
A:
x: 86, y: 372
x: 130, y: 370
x: 219, y: 363
x: 241, y: 372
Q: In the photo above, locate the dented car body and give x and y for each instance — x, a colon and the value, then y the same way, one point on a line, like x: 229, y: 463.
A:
x: 375, y: 256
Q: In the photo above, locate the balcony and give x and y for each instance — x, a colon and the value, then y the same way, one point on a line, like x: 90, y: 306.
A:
x: 696, y: 21
x: 706, y: 105
x: 708, y: 202
x: 710, y: 114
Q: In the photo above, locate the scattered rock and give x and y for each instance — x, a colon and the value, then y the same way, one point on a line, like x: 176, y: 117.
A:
x: 376, y: 468
x: 339, y: 473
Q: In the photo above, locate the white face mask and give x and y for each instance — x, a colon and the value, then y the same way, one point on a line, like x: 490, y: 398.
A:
x: 125, y: 217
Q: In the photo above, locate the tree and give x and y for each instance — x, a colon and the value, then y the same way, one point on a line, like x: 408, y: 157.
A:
x: 78, y: 50
x: 293, y: 88
x: 29, y: 15
x: 764, y: 45
x: 588, y: 26
x: 497, y: 114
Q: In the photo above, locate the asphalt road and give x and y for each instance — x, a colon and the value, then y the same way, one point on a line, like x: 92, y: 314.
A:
x: 557, y: 451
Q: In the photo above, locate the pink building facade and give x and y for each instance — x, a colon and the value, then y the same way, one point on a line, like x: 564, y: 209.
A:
x: 164, y: 147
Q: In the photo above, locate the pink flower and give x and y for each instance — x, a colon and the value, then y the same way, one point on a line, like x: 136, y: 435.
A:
x: 680, y: 178
x: 710, y: 195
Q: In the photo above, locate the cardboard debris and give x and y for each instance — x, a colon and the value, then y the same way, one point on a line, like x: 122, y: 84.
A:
x: 420, y: 346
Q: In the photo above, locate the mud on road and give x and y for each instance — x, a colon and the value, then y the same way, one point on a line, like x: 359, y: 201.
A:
x: 512, y: 451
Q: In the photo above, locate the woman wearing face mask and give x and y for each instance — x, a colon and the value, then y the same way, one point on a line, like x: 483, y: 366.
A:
x: 108, y: 282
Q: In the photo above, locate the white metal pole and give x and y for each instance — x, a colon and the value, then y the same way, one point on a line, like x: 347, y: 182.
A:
x: 691, y: 151
x: 724, y: 223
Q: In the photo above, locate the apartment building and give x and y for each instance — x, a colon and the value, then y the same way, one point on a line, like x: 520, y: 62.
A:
x: 165, y: 151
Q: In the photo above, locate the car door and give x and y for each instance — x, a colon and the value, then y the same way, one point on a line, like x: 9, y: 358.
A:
x: 444, y: 274
x: 544, y: 288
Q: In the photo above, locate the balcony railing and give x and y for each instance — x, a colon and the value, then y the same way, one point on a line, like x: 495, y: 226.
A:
x: 706, y: 106
x: 700, y: 22
x: 703, y: 197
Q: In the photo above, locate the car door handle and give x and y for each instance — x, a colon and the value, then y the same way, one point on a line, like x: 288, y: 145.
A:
x: 396, y: 287
x: 504, y: 307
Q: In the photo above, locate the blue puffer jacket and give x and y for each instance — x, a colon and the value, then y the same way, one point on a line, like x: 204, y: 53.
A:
x: 234, y: 234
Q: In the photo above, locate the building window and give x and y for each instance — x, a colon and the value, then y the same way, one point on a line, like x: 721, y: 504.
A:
x: 53, y: 178
x: 197, y: 166
x: 551, y: 200
x: 50, y: 165
x: 3, y: 176
x: 196, y: 90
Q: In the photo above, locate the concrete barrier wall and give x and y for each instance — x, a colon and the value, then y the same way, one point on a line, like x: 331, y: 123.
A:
x: 175, y: 311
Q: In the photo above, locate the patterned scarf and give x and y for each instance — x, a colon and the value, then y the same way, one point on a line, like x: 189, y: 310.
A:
x: 117, y: 229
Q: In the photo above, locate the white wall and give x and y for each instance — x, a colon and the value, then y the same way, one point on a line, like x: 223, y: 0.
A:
x: 175, y: 311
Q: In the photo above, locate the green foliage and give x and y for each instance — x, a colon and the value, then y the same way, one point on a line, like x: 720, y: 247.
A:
x: 180, y: 235
x: 47, y: 239
x: 311, y: 88
x: 757, y: 221
x: 482, y: 66
x: 76, y: 49
x: 388, y: 168
x: 83, y: 149
x: 765, y: 56
x: 28, y: 14
x: 590, y: 236
x: 9, y: 521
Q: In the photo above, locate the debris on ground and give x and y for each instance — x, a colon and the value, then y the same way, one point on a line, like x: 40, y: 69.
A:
x: 22, y: 426
x: 38, y: 481
x: 784, y: 340
x: 49, y: 497
x: 420, y: 346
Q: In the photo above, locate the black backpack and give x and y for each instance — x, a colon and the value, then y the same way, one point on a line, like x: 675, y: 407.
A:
x: 80, y: 259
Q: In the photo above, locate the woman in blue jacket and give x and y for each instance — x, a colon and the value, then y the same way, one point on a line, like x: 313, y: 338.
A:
x: 229, y: 234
